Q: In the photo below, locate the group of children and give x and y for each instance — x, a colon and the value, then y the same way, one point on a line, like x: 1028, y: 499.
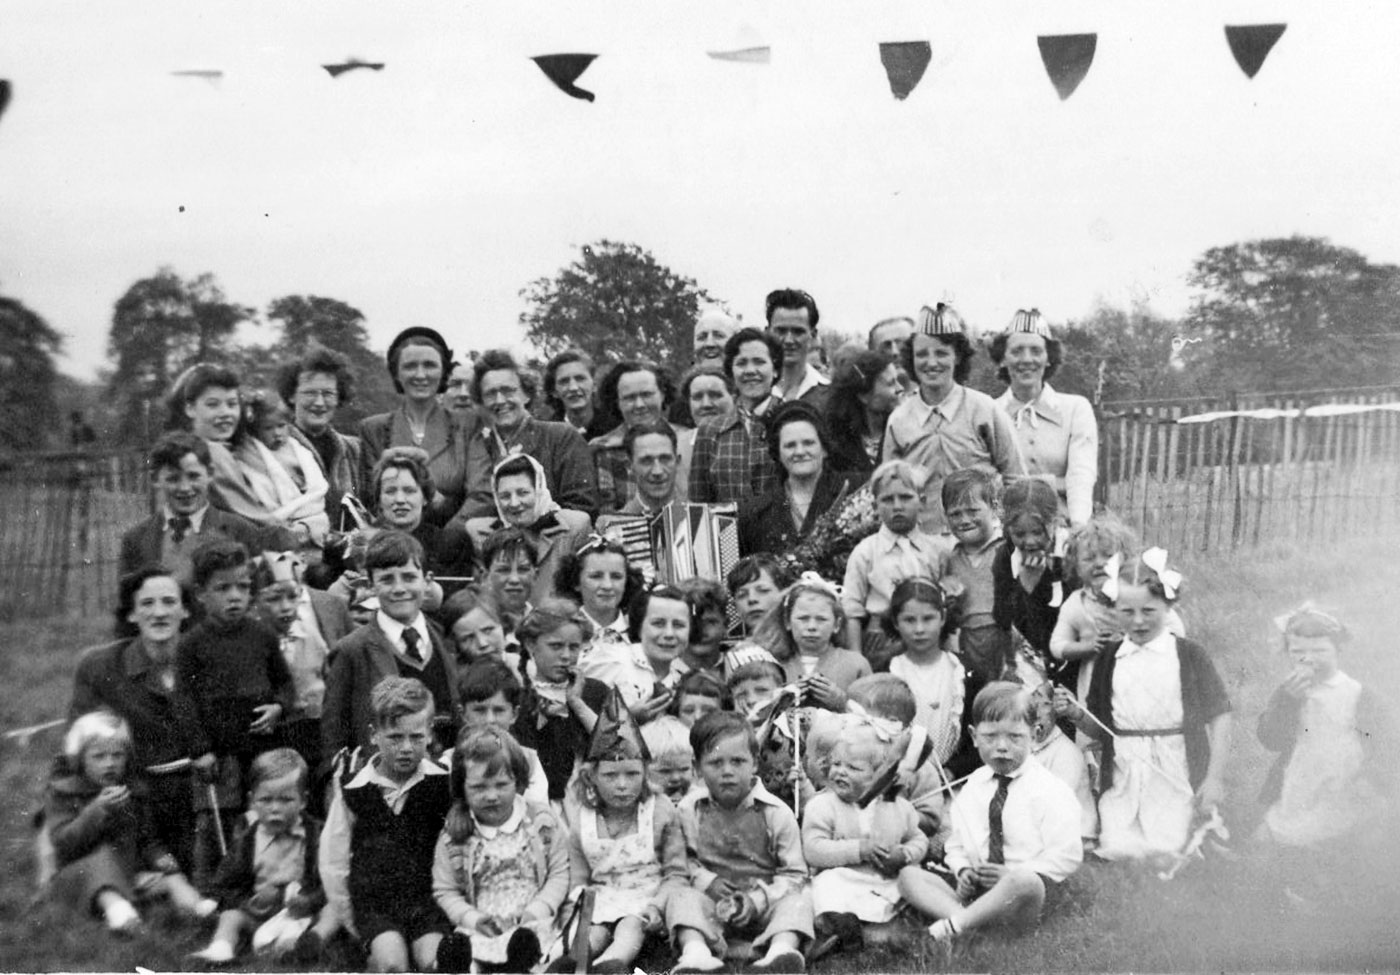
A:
x: 1010, y: 698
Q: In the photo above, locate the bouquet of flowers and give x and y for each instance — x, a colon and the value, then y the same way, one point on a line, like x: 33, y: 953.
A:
x: 826, y: 548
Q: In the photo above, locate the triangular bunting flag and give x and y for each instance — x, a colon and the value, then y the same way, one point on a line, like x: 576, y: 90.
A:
x: 905, y: 63
x: 1251, y: 44
x: 748, y: 55
x: 1067, y: 59
x: 352, y: 64
x: 5, y: 90
x: 564, y: 70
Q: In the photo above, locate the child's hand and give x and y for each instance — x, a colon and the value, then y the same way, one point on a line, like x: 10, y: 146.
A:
x: 167, y: 864
x: 821, y: 691
x: 720, y: 889
x: 652, y: 921
x: 745, y: 911
x: 266, y: 719
x: 1296, y: 684
x: 491, y: 926
x: 1063, y: 703
x: 113, y: 797
x: 988, y: 874
x: 889, y: 860
x: 265, y: 900
x: 968, y: 887
x: 204, y: 766
x: 1210, y: 794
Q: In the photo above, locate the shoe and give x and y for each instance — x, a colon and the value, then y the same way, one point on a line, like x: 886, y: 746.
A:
x: 564, y: 965
x: 217, y: 955
x: 781, y: 962
x: 309, y: 948
x: 522, y: 951
x: 698, y: 964
x: 454, y: 953
x: 942, y: 931
x: 835, y: 932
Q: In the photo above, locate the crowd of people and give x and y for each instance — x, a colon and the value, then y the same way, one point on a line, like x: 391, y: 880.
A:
x: 412, y: 690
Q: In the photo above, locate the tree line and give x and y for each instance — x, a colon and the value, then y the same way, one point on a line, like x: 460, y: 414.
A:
x: 1268, y: 315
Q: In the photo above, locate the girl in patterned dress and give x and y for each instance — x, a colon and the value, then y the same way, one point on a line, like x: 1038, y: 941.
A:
x: 626, y: 843
x: 501, y: 869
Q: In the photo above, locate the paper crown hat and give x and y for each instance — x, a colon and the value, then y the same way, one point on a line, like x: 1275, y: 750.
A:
x: 275, y: 567
x: 939, y: 320
x: 617, y: 736
x: 748, y: 653
x: 1030, y: 322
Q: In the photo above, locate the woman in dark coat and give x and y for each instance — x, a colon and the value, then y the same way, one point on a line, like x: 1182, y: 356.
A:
x: 864, y: 392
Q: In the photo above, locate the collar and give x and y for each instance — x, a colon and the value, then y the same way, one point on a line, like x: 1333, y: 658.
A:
x: 947, y: 408
x: 611, y: 439
x: 393, y: 629
x: 637, y: 505
x: 994, y: 538
x: 758, y: 794
x: 1055, y: 735
x: 370, y: 775
x: 811, y: 378
x: 196, y: 519
x: 618, y: 627
x: 134, y: 659
x: 512, y: 823
x: 1163, y: 642
x: 262, y: 839
x: 889, y: 541
x: 1046, y: 406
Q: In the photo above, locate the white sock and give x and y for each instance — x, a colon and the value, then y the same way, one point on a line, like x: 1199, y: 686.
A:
x: 943, y: 930
x: 218, y: 950
x: 119, y: 914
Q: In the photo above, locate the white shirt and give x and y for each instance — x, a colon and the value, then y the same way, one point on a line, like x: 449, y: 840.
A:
x: 1059, y: 440
x: 393, y: 629
x: 810, y: 379
x: 1039, y: 823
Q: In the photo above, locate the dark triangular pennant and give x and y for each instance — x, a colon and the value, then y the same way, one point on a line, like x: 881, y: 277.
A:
x: 564, y: 69
x: 1251, y: 44
x: 1067, y: 59
x: 905, y: 63
x: 5, y: 90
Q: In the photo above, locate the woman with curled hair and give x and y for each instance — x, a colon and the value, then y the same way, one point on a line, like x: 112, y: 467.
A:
x: 948, y: 426
x: 598, y: 577
x: 864, y: 392
x: 799, y: 445
x: 660, y: 623
x: 419, y: 361
x: 730, y: 460
x: 569, y: 388
x: 317, y: 385
x: 1057, y: 432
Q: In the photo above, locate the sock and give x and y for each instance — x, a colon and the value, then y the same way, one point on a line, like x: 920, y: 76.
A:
x: 119, y: 914
x: 204, y: 907
x: 218, y: 951
x: 943, y: 930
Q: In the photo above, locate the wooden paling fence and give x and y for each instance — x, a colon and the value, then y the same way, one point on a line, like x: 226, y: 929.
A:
x: 1295, y: 467
x: 61, y: 520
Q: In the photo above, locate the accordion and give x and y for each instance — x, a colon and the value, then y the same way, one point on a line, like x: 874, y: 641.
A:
x: 680, y: 541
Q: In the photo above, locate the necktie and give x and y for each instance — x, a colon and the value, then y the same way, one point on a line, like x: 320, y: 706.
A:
x: 180, y: 526
x: 996, y: 839
x: 410, y: 643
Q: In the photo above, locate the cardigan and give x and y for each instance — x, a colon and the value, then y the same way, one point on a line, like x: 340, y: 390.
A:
x: 453, y: 866
x: 77, y: 825
x: 1278, y: 732
x: 1203, y: 699
x: 832, y: 833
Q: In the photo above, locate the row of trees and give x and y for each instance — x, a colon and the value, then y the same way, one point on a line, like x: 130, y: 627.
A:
x: 1280, y: 314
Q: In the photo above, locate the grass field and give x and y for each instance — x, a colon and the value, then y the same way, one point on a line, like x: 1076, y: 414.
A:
x: 1215, y: 916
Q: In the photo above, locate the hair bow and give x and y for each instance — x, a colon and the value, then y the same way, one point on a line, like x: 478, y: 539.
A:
x: 885, y: 729
x: 1110, y: 587
x: 811, y: 580
x: 1156, y: 560
x: 594, y: 540
x: 1325, y: 622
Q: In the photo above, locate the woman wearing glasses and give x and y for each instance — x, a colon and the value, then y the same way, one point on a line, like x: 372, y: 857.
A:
x: 316, y: 385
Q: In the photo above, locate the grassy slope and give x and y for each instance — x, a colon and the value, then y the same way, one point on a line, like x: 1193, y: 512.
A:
x: 1213, y: 917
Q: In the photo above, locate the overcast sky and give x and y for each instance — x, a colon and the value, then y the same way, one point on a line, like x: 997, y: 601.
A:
x: 433, y: 191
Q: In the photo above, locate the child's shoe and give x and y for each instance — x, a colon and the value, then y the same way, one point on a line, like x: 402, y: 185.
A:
x: 780, y: 961
x: 522, y: 951
x: 454, y: 953
x: 310, y: 947
x: 834, y: 932
x: 696, y: 958
x: 218, y: 954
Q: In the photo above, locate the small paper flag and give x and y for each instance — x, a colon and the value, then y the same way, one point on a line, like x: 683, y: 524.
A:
x: 1251, y: 44
x: 5, y: 91
x: 1067, y: 59
x: 564, y: 70
x: 747, y: 55
x: 905, y: 63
